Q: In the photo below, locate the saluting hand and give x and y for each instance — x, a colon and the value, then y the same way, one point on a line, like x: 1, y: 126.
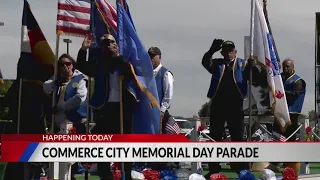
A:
x: 86, y: 44
x: 216, y: 45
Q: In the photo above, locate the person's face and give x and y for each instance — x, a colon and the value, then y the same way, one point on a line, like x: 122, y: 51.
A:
x: 155, y: 60
x: 66, y: 67
x: 229, y: 54
x: 109, y: 46
x: 287, y: 67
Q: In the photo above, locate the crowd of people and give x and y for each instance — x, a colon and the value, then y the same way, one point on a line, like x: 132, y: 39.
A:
x: 227, y: 91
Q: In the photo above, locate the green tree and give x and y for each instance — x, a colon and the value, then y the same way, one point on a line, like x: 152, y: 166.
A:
x: 4, y: 87
x: 3, y: 91
x: 204, y: 111
x: 312, y: 115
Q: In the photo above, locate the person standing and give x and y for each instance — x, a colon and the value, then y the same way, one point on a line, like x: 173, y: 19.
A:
x: 295, y: 90
x: 106, y: 93
x: 164, y: 81
x: 228, y: 89
x: 71, y: 98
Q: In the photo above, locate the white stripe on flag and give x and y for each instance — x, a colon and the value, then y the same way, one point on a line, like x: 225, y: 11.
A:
x: 74, y: 14
x: 264, y: 52
x: 75, y: 3
x: 73, y: 25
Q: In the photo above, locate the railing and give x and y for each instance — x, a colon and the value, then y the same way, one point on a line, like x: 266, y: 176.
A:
x: 200, y: 136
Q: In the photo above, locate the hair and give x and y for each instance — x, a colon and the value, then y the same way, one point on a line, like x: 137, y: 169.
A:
x: 288, y: 59
x: 154, y: 51
x: 74, y: 63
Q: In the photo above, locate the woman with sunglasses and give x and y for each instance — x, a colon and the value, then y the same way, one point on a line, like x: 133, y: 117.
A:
x: 71, y: 93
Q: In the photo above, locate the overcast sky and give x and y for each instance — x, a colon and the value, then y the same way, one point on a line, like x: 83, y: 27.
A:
x: 184, y: 30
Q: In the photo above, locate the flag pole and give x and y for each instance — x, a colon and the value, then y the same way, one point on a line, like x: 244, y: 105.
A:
x: 86, y: 168
x: 19, y: 106
x: 121, y: 123
x: 250, y: 77
x: 54, y: 78
x: 265, y: 11
x: 250, y: 74
x: 54, y: 167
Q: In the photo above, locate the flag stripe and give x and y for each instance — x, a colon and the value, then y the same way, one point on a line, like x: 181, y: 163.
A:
x: 71, y: 31
x: 73, y: 16
x: 73, y: 19
x: 72, y: 25
x: 73, y: 8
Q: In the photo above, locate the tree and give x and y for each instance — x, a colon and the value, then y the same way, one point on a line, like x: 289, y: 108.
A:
x: 312, y: 115
x: 204, y: 111
x: 3, y: 91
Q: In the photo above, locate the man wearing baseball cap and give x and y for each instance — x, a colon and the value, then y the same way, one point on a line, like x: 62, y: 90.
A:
x: 164, y: 81
x: 228, y: 89
x: 106, y: 96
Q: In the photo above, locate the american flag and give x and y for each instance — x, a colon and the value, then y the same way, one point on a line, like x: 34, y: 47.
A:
x: 73, y: 16
x: 279, y: 137
x: 172, y: 126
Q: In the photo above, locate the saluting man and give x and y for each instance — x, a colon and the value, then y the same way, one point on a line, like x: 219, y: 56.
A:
x: 228, y: 89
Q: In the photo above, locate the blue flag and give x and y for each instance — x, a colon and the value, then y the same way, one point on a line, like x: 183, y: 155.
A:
x: 99, y: 26
x: 146, y: 117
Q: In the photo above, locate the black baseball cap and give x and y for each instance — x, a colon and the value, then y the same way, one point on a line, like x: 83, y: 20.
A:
x: 227, y: 46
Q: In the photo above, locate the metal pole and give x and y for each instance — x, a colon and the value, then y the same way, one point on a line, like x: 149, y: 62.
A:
x: 270, y: 31
x: 250, y: 74
x: 67, y: 41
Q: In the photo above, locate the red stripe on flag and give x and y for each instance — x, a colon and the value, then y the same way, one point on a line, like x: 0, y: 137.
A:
x: 73, y: 19
x: 69, y: 7
x: 72, y: 30
x: 112, y: 10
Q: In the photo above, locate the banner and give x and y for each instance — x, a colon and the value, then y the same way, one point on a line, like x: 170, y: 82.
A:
x: 147, y: 148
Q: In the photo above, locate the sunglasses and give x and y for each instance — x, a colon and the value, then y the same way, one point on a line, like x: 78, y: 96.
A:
x: 107, y: 41
x: 65, y: 64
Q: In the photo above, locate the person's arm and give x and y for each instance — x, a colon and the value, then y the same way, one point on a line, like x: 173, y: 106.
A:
x: 250, y: 64
x: 49, y: 86
x: 298, y: 87
x: 208, y: 62
x: 86, y: 67
x: 80, y: 97
x: 125, y: 68
x: 168, y: 91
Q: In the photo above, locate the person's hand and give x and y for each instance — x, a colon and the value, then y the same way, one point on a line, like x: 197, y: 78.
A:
x: 216, y: 45
x: 59, y: 81
x: 86, y: 44
x: 161, y: 115
x: 251, y: 62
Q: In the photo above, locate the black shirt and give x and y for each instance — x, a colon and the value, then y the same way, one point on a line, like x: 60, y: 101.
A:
x: 228, y: 90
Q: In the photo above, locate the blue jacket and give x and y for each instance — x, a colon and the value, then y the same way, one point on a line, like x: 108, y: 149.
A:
x: 295, y: 104
x: 159, y: 81
x: 238, y: 71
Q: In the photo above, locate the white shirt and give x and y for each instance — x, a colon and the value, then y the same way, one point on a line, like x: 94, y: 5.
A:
x: 114, y: 90
x: 167, y: 89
